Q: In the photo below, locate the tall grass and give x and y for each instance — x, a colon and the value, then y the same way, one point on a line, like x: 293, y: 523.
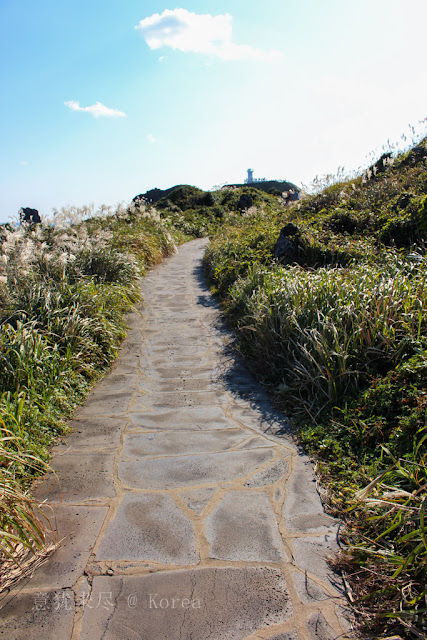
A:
x: 65, y: 287
x: 338, y: 332
x: 386, y: 557
x: 23, y: 523
x: 320, y: 333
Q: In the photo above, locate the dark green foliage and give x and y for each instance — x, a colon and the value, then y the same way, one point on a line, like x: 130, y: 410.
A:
x: 414, y: 156
x: 390, y: 412
x: 209, y: 199
x: 201, y: 213
x: 419, y: 209
x: 387, y: 203
x: 341, y: 221
x: 184, y: 197
x: 400, y: 232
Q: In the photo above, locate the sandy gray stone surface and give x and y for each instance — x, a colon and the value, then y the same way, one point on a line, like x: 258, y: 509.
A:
x: 243, y: 527
x: 186, y: 509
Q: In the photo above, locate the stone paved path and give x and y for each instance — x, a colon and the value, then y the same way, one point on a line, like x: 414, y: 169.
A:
x: 187, y: 510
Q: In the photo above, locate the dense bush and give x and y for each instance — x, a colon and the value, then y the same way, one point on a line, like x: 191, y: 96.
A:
x: 199, y: 213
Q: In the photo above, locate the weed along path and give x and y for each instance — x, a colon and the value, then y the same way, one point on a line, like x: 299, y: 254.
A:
x: 187, y: 511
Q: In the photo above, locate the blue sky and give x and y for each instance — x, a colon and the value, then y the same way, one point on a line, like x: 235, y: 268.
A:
x: 102, y: 100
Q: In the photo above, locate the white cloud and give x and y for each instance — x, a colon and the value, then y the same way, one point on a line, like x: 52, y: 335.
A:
x: 199, y: 33
x: 24, y: 162
x: 97, y: 110
x: 151, y: 138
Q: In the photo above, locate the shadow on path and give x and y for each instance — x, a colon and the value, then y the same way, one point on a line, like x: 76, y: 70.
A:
x: 236, y: 376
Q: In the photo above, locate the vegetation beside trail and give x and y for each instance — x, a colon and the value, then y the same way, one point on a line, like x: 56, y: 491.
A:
x: 337, y: 330
x: 198, y: 213
x: 65, y: 287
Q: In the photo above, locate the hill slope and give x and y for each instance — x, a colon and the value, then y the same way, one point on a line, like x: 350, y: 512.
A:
x: 336, y: 326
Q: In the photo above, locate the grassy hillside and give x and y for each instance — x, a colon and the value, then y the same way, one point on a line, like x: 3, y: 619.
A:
x: 337, y: 330
x: 198, y: 213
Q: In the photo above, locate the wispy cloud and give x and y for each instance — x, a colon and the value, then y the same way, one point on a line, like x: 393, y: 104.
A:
x: 151, y: 138
x: 199, y: 33
x: 97, y: 110
x: 24, y: 163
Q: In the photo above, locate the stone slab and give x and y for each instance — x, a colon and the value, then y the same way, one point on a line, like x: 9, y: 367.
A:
x: 82, y: 476
x: 308, y: 591
x: 176, y: 443
x: 105, y: 403
x: 311, y: 554
x: 182, y: 317
x: 179, y: 299
x: 135, y: 317
x: 195, y: 335
x: 128, y: 365
x: 254, y: 442
x: 177, y: 351
x: 243, y: 527
x: 78, y: 528
x: 180, y: 371
x: 157, y: 322
x: 191, y: 471
x: 183, y: 360
x: 263, y: 419
x: 196, y: 338
x: 217, y: 603
x: 302, y: 508
x: 173, y: 385
x: 45, y: 615
x: 177, y: 400
x: 205, y: 418
x: 272, y: 474
x: 319, y: 629
x: 186, y: 384
x: 149, y: 527
x: 119, y: 382
x: 92, y: 433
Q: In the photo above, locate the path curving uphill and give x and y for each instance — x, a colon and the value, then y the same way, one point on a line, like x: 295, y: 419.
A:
x: 188, y: 511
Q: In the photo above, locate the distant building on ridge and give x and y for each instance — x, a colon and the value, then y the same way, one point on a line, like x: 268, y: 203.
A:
x: 250, y: 179
x: 287, y: 190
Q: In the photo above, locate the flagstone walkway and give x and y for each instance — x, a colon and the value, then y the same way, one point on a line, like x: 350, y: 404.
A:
x: 187, y: 510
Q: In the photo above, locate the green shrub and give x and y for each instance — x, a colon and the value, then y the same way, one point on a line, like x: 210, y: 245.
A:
x: 184, y: 197
x: 420, y: 211
x: 341, y: 221
x: 399, y: 232
x: 106, y: 266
